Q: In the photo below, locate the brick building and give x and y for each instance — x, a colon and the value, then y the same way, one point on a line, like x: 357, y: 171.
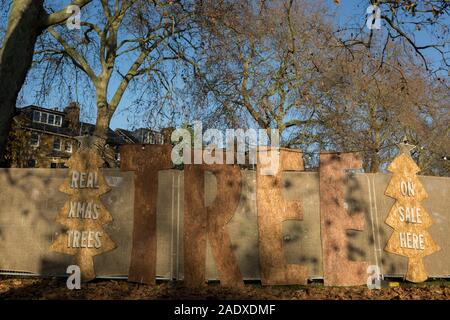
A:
x: 45, y: 138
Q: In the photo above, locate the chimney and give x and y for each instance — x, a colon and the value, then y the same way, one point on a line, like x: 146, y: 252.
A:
x: 72, y: 116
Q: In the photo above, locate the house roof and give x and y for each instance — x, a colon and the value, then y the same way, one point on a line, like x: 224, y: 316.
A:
x: 127, y: 135
x: 85, y: 127
x: 138, y: 136
x: 114, y: 138
x: 33, y: 107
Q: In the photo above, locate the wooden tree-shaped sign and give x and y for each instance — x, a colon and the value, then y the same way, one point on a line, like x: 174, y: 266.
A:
x: 84, y: 214
x: 407, y: 217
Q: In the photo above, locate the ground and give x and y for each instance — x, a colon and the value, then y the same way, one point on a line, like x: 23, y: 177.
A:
x: 55, y: 288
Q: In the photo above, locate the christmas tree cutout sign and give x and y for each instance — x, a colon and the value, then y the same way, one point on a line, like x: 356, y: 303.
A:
x: 407, y: 217
x: 83, y: 214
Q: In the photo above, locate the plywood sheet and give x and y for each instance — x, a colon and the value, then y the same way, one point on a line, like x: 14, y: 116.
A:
x: 146, y: 161
x: 335, y: 221
x: 273, y: 209
x: 203, y: 222
x: 30, y: 200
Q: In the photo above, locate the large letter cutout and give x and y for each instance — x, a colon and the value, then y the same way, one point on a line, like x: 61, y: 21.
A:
x: 335, y: 220
x: 273, y: 209
x: 201, y: 222
x: 146, y: 161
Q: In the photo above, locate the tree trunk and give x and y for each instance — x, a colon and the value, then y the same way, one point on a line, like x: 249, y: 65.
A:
x: 103, y: 113
x: 16, y: 56
x: 104, y: 116
x: 375, y: 163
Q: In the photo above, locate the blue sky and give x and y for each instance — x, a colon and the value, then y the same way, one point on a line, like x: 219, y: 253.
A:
x: 348, y: 12
x: 353, y: 11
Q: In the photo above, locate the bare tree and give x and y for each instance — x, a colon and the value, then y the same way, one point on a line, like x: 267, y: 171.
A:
x: 26, y: 21
x: 370, y: 108
x: 284, y: 65
x: 126, y: 41
x: 256, y: 63
x: 418, y: 25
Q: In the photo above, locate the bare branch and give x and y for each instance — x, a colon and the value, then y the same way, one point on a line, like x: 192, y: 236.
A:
x: 62, y: 15
x: 74, y: 55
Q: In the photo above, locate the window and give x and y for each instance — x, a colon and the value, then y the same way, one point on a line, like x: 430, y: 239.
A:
x: 151, y: 138
x: 57, y: 144
x: 31, y: 163
x: 34, y: 140
x: 68, y: 147
x: 47, y: 118
x: 36, y: 116
x: 44, y: 117
x: 58, y: 121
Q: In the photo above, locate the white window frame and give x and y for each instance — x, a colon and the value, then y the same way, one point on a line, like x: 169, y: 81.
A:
x: 147, y: 138
x: 66, y: 144
x: 38, y: 118
x: 38, y: 140
x: 58, y: 123
x: 48, y: 118
x: 60, y: 143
